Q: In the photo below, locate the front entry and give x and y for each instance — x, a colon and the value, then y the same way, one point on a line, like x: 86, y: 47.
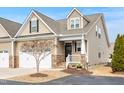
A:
x: 68, y: 49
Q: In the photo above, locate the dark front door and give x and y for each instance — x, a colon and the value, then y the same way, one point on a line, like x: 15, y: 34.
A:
x: 68, y: 49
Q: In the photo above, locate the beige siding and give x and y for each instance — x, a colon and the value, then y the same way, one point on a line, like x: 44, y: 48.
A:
x: 75, y: 14
x: 96, y: 45
x: 42, y: 28
x: 3, y: 33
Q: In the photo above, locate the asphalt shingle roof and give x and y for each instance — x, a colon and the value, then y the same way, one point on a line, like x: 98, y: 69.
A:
x: 10, y: 26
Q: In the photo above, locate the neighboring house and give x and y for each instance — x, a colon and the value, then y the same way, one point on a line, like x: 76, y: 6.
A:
x: 78, y: 38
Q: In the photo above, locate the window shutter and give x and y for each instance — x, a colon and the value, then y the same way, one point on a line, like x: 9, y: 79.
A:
x: 37, y: 25
x: 30, y: 26
x: 75, y: 47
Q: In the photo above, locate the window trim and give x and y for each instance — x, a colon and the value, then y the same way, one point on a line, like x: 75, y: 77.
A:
x: 74, y: 19
x: 37, y: 25
x: 76, y: 48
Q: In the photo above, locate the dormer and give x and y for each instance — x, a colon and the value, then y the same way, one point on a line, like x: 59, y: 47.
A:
x: 74, y: 20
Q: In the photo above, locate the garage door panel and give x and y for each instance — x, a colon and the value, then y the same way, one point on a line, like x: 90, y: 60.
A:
x: 4, y: 60
x: 28, y: 61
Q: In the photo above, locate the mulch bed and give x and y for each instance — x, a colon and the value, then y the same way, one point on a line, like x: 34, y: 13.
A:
x: 76, y: 71
x: 38, y: 75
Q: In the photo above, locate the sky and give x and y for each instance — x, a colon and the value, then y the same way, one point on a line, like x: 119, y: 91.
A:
x: 114, y: 17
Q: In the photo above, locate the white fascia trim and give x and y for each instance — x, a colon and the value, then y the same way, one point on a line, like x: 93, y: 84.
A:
x: 93, y: 25
x: 6, y: 31
x: 28, y: 19
x: 70, y: 38
x: 61, y: 35
x: 72, y: 11
x: 33, y: 38
x: 5, y: 40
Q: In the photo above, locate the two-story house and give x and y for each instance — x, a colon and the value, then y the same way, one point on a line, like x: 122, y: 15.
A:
x: 78, y: 38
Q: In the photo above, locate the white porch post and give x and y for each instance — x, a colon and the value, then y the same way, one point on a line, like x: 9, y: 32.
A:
x: 83, y: 49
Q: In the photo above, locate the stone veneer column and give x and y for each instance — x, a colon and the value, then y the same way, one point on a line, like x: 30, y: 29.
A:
x: 57, y: 59
x: 11, y: 55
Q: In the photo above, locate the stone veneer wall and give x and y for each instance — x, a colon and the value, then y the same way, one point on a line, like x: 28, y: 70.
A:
x: 56, y: 60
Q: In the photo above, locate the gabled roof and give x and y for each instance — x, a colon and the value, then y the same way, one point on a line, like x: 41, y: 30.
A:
x: 48, y: 22
x: 75, y: 9
x: 63, y: 25
x: 10, y: 26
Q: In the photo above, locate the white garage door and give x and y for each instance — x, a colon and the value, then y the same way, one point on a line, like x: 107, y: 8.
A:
x: 4, y: 59
x: 28, y: 61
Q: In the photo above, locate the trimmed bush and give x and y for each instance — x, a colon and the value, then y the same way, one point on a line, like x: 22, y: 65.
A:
x: 118, y: 54
x: 79, y: 66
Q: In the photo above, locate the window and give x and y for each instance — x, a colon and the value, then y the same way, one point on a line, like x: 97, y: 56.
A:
x: 99, y: 55
x: 96, y: 30
x: 74, y: 23
x: 77, y: 23
x: 99, y: 33
x: 77, y: 46
x: 34, y: 26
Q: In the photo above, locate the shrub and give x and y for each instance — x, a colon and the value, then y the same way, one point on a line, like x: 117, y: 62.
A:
x: 79, y: 66
x: 118, y: 54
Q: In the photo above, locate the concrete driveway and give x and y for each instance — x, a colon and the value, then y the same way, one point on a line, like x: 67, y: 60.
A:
x: 12, y: 72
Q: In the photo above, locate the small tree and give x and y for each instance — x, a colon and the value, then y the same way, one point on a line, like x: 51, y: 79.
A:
x: 38, y: 49
x: 118, y: 54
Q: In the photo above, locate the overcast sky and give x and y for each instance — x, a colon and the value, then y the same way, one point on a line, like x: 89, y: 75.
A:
x: 114, y: 17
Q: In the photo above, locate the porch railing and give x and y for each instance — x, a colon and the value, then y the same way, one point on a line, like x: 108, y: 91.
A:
x: 73, y: 59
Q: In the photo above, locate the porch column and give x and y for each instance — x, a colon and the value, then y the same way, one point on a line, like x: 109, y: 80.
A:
x: 83, y: 49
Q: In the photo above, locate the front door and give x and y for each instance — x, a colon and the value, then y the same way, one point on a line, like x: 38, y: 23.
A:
x: 68, y: 49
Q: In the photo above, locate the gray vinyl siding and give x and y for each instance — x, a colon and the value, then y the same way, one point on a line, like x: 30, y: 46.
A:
x: 96, y: 45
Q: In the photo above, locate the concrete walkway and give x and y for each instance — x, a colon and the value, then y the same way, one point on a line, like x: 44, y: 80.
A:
x: 12, y: 72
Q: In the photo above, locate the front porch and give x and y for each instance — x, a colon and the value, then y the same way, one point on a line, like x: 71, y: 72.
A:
x: 74, y: 50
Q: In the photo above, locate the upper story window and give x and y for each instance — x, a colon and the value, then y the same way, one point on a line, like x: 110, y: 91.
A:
x: 74, y: 23
x: 77, y: 23
x: 98, y: 32
x: 34, y: 25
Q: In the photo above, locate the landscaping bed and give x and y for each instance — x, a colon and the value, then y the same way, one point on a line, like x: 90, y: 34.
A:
x: 76, y: 71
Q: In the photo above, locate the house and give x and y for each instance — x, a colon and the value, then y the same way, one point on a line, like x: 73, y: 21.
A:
x: 79, y: 38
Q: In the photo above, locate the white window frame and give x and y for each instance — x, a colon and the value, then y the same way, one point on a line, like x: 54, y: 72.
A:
x: 74, y: 19
x: 34, y: 19
x: 78, y: 45
x: 98, y: 32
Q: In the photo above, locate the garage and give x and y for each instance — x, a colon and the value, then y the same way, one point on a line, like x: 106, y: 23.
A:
x: 28, y: 61
x: 4, y: 59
